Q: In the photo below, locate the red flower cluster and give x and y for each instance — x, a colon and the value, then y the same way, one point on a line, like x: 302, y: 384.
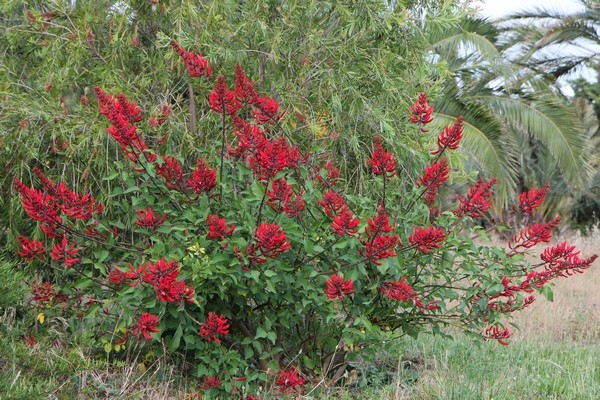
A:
x: 211, y: 382
x: 76, y: 206
x: 281, y: 198
x: 147, y: 324
x: 123, y: 115
x: 332, y: 203
x: 195, y: 64
x: 338, y: 288
x: 172, y: 172
x: 332, y: 173
x: 214, y: 326
x: 221, y: 99
x: 427, y: 239
x: 147, y: 219
x: 218, y: 228
x: 382, y: 162
x: 529, y: 201
x: 203, y: 178
x: 271, y: 240
x: 44, y: 295
x: 345, y: 223
x: 244, y: 87
x: 532, y: 235
x: 117, y: 277
x: 506, y: 301
x: 162, y: 275
x: 401, y: 291
x: 421, y: 112
x: 377, y: 244
x: 478, y: 199
x: 433, y: 177
x: 40, y: 207
x: 266, y: 110
x: 30, y: 249
x: 495, y: 333
x: 450, y: 136
x: 289, y: 381
x: 560, y: 260
x: 161, y: 118
x: 65, y: 253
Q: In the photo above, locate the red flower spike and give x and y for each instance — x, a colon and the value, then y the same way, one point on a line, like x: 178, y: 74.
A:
x: 42, y: 294
x: 77, y: 206
x: 271, y: 240
x: 427, y: 239
x: 203, y: 178
x: 495, y: 333
x: 400, y: 291
x: 557, y: 255
x: 266, y: 110
x: 421, y: 112
x: 117, y: 277
x: 212, y: 382
x: 172, y: 173
x: 478, y: 199
x: 30, y: 249
x: 289, y: 381
x: 65, y: 252
x: 529, y: 201
x: 147, y: 324
x: 294, y: 205
x: 433, y: 178
x: 450, y: 136
x: 382, y: 162
x: 332, y: 174
x: 40, y: 207
x: 48, y: 185
x: 378, y: 225
x: 379, y: 248
x: 533, y: 234
x: 214, y: 326
x: 345, y: 223
x: 129, y: 109
x: 218, y: 228
x: 332, y: 203
x: 147, y: 219
x: 338, y: 288
x: 221, y: 99
x: 251, y: 140
x: 195, y: 64
x: 271, y: 159
x: 279, y: 194
x: 244, y: 87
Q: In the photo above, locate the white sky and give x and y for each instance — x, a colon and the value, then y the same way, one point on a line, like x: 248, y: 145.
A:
x: 500, y: 8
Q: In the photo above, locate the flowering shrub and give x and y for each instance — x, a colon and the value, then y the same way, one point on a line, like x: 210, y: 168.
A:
x: 253, y: 258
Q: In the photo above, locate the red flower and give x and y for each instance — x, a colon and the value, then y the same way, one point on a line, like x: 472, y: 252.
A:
x: 244, y: 87
x: 379, y: 248
x: 382, y: 162
x: 332, y: 203
x: 294, y: 205
x: 195, y: 64
x: 478, y: 199
x: 533, y: 234
x: 221, y: 99
x: 450, y: 136
x: 378, y: 225
x: 203, y: 178
x: 251, y: 140
x: 556, y: 255
x: 76, y: 206
x: 218, y: 228
x: 65, y: 253
x: 401, y: 291
x: 279, y: 194
x: 30, y: 249
x: 529, y: 201
x: 29, y: 341
x: 42, y: 294
x: 117, y: 277
x: 147, y: 324
x: 332, y: 174
x: 337, y: 288
x: 289, y: 381
x: 421, y: 112
x: 271, y: 158
x: 433, y: 177
x: 427, y: 239
x: 212, y: 382
x: 345, y: 223
x: 265, y: 110
x: 271, y: 240
x: 215, y: 325
x: 40, y: 207
x: 493, y: 332
x: 171, y: 171
x: 147, y: 219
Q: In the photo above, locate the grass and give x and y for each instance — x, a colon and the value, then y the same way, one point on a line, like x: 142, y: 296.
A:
x: 554, y: 355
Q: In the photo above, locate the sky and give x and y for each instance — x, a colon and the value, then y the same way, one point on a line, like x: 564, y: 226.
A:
x: 500, y: 8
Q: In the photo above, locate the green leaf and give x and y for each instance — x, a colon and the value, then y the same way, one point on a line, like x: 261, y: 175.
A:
x: 174, y: 343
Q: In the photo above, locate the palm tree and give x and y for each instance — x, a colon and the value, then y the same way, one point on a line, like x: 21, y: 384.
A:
x: 517, y: 125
